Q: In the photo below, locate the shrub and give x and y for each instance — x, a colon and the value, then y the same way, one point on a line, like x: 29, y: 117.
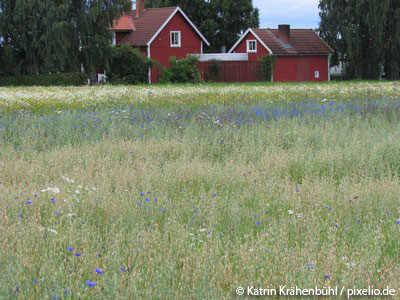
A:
x: 183, y: 71
x: 129, y: 66
x: 61, y: 79
x: 213, y: 73
x: 267, y: 67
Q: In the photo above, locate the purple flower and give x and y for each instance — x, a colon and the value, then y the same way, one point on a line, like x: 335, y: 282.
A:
x: 327, y: 277
x: 99, y: 255
x: 70, y: 249
x: 36, y: 196
x: 336, y: 225
x: 358, y: 221
x: 214, y: 195
x: 83, y: 223
x: 147, y: 199
x: 52, y: 200
x: 164, y: 211
x: 141, y: 194
x: 35, y: 281
x: 28, y: 202
x: 21, y: 215
x: 255, y: 215
x: 89, y: 283
x: 77, y: 254
x: 258, y: 223
x: 122, y: 269
x: 397, y: 222
x: 99, y: 271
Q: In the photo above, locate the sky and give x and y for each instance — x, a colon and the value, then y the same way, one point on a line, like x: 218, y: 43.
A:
x: 296, y: 13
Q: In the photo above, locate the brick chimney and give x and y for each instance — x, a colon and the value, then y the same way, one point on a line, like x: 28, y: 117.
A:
x: 284, y: 33
x: 139, y: 8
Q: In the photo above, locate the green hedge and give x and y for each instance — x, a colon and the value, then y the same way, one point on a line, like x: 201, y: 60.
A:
x: 62, y: 79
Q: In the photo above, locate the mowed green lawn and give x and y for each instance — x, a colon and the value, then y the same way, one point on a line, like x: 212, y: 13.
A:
x: 148, y: 193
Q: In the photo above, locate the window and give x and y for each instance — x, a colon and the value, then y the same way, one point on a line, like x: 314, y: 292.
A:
x: 316, y: 74
x: 175, y: 38
x: 252, y: 46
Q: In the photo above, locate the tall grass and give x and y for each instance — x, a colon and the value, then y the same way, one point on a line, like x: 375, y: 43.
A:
x: 191, y: 202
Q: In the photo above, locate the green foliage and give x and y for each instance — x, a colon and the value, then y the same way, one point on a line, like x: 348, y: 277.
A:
x: 61, y: 79
x: 46, y: 36
x: 267, y: 67
x: 129, y: 66
x: 220, y: 21
x: 213, y: 73
x: 183, y: 71
x: 365, y: 35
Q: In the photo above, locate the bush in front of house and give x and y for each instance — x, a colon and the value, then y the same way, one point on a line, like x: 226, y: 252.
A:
x: 213, y: 73
x: 60, y: 79
x: 182, y: 71
x: 267, y: 67
x: 128, y: 66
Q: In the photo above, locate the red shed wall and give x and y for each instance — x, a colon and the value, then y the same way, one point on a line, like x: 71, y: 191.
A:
x: 161, y: 50
x: 242, y: 47
x: 119, y: 36
x: 301, y: 68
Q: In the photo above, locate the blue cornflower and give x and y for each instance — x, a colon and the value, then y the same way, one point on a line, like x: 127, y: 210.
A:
x: 255, y: 215
x: 28, y: 202
x: 164, y: 211
x: 214, y: 195
x: 77, y: 254
x: 53, y: 200
x: 397, y: 222
x: 358, y: 221
x: 35, y: 195
x: 99, y: 271
x: 387, y: 213
x: 83, y: 223
x: 122, y: 269
x: 196, y: 211
x: 311, y: 266
x: 148, y: 225
x: 258, y: 223
x: 99, y: 255
x: 21, y: 215
x: 147, y: 199
x: 141, y: 194
x: 89, y: 283
x: 336, y: 225
x: 327, y: 277
x: 35, y: 281
x: 70, y: 249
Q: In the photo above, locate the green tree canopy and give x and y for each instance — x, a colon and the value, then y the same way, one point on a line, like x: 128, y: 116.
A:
x: 365, y: 35
x: 44, y: 36
x: 220, y: 21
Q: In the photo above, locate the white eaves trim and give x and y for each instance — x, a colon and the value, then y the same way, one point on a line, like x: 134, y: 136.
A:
x: 169, y: 19
x: 256, y: 36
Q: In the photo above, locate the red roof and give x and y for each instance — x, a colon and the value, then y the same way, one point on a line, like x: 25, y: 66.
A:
x: 301, y: 41
x: 149, y: 22
x: 125, y: 23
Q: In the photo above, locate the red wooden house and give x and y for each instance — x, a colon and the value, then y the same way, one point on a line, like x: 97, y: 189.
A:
x: 300, y: 54
x: 159, y: 33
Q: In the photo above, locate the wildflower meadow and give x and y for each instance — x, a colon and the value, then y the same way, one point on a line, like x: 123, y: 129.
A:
x: 189, y: 192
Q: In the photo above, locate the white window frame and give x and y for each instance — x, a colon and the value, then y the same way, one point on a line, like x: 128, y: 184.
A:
x: 316, y: 74
x: 179, y: 39
x: 248, y: 46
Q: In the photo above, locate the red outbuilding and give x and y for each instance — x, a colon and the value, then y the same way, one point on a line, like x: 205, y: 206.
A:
x: 300, y: 54
x: 159, y: 33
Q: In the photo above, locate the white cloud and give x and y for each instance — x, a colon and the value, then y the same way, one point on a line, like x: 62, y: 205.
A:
x: 299, y: 14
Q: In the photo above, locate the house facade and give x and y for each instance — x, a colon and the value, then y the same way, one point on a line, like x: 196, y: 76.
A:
x: 300, y: 54
x: 159, y: 33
